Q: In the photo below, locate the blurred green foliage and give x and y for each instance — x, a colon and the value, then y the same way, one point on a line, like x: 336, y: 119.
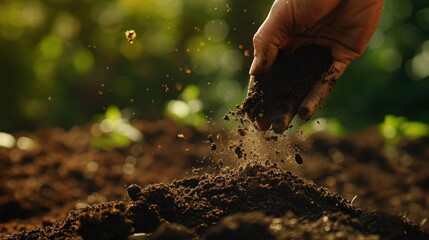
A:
x: 114, y: 130
x: 395, y: 128
x: 64, y: 61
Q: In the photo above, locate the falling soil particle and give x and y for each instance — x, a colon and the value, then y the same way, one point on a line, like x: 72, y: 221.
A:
x: 213, y: 146
x: 272, y: 138
x: 210, y: 138
x: 282, y: 88
x: 239, y: 151
x: 180, y: 135
x: 130, y: 35
x: 298, y: 159
x: 242, y: 131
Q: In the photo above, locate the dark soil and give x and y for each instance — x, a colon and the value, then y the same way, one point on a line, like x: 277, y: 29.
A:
x: 282, y: 88
x: 49, y: 192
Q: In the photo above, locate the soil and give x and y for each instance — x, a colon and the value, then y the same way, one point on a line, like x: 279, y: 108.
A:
x: 292, y: 75
x: 172, y: 186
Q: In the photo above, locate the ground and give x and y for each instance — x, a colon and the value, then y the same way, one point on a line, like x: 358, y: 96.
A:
x: 180, y: 183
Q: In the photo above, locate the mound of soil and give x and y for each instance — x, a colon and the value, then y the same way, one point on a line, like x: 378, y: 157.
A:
x: 281, y: 89
x: 66, y: 189
x: 274, y: 200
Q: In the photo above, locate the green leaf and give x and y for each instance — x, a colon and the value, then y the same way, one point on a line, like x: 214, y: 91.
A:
x: 113, y: 113
x: 190, y: 93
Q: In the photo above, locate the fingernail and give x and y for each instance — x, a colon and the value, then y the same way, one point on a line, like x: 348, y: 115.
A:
x: 252, y: 70
x: 263, y: 124
x: 304, y: 113
x: 279, y: 127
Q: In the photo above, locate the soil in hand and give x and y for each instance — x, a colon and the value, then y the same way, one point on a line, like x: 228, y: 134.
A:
x: 279, y: 91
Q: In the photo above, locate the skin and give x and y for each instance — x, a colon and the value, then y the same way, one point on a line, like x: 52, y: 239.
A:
x: 345, y: 26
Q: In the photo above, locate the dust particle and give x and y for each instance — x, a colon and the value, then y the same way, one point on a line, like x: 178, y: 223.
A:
x: 210, y: 138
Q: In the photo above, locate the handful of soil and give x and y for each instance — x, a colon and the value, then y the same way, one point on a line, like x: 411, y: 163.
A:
x: 278, y: 92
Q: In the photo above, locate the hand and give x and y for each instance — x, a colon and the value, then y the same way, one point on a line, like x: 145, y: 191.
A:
x: 344, y: 26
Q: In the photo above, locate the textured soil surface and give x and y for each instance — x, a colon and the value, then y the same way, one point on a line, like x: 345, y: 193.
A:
x: 65, y: 189
x: 292, y: 75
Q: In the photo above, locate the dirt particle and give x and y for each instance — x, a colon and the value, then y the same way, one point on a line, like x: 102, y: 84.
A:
x: 213, y: 146
x: 226, y: 117
x: 239, y: 151
x: 242, y: 131
x: 130, y: 35
x: 195, y: 171
x: 272, y: 138
x: 298, y: 159
x: 210, y: 138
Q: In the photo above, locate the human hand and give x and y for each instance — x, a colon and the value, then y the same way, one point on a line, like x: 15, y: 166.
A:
x: 344, y: 26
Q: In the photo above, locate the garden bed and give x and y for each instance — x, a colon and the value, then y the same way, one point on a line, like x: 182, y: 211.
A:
x: 176, y: 185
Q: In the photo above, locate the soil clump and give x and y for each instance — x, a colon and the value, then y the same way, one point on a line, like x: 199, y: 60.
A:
x: 280, y: 90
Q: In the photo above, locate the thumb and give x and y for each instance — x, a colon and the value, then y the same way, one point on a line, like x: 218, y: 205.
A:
x: 270, y: 36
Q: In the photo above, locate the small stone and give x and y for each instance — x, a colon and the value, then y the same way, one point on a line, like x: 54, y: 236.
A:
x: 134, y: 191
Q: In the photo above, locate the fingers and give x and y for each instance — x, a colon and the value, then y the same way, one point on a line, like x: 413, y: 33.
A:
x: 282, y: 124
x: 286, y: 18
x: 270, y: 35
x: 263, y: 123
x: 320, y: 90
x: 278, y: 123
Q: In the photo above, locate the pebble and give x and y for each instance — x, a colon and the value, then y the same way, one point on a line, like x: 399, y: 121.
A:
x: 134, y: 191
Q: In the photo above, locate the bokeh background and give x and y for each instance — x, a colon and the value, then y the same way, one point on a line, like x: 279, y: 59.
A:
x: 62, y: 62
